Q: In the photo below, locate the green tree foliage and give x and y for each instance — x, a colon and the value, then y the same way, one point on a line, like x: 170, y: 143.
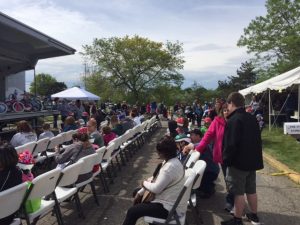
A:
x: 55, y: 88
x: 134, y: 65
x: 275, y: 37
x: 246, y: 76
x: 46, y: 85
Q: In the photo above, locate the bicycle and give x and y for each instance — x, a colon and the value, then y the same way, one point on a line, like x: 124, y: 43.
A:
x: 13, y: 105
x: 3, y: 108
x: 31, y: 102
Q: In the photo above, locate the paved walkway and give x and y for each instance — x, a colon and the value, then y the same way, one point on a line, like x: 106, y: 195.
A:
x: 279, y: 198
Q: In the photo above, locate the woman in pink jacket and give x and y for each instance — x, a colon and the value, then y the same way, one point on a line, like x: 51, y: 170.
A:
x: 215, y: 134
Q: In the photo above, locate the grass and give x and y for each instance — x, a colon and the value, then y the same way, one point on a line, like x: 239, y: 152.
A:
x: 282, y: 147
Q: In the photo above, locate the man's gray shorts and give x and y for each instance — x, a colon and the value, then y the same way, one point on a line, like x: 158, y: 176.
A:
x: 240, y: 182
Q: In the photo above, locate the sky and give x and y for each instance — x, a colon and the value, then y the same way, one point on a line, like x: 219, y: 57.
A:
x: 209, y: 31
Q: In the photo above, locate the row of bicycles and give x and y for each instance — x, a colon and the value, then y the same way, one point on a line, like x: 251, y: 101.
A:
x: 28, y: 103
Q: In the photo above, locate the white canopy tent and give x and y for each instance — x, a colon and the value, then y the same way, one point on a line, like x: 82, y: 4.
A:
x: 279, y: 83
x: 76, y: 93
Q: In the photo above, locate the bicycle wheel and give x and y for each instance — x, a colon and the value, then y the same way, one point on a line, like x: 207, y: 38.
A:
x: 27, y: 106
x: 18, y: 107
x: 37, y: 105
x: 3, y: 108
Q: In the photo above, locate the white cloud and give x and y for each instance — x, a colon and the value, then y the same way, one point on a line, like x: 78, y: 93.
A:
x: 208, y: 29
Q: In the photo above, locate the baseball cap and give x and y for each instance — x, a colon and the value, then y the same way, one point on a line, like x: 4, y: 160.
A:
x: 182, y: 137
x: 180, y: 121
x: 197, y: 132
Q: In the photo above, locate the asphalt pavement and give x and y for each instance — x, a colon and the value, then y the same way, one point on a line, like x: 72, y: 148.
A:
x: 279, y: 198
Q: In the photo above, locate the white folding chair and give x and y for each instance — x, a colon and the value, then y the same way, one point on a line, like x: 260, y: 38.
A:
x: 41, y: 147
x: 191, y: 160
x: 41, y: 186
x: 28, y: 146
x: 54, y: 141
x: 117, y: 152
x: 65, y: 188
x: 88, y: 164
x: 100, y: 152
x: 198, y: 168
x: 69, y: 136
x: 173, y: 216
x: 106, y: 162
x: 11, y: 200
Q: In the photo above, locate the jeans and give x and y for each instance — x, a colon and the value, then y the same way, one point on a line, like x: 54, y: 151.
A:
x: 208, y: 182
x: 145, y: 209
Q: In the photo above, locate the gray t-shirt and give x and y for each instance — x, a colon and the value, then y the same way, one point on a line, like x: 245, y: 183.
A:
x: 22, y: 138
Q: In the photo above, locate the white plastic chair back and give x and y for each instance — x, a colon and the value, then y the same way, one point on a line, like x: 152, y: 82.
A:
x: 44, y: 184
x: 118, y: 142
x: 41, y: 146
x: 144, y: 125
x: 195, y: 155
x: 126, y: 136
x: 189, y: 181
x: 69, y: 135
x: 28, y: 146
x: 55, y: 141
x: 63, y: 136
x: 109, y: 149
x: 199, y: 168
x: 70, y: 174
x: 11, y: 199
x: 100, y: 153
x: 88, y: 163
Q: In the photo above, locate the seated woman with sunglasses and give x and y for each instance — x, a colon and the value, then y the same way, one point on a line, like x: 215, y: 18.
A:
x: 166, y: 186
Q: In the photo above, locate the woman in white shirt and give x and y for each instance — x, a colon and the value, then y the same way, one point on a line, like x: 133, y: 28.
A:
x: 24, y: 134
x: 166, y: 186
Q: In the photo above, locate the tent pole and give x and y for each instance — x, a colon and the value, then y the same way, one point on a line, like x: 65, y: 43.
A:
x: 269, y: 110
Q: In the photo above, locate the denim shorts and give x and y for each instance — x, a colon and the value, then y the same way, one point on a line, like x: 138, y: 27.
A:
x: 240, y: 182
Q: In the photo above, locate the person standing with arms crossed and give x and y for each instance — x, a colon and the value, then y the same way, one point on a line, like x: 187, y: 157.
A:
x: 242, y: 154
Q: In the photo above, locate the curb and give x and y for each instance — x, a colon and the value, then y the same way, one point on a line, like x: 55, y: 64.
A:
x: 293, y: 175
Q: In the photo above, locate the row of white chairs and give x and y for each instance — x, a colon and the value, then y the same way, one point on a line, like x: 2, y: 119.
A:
x: 120, y: 149
x: 60, y: 185
x: 37, y: 148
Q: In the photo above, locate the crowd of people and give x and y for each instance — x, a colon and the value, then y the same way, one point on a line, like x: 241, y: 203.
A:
x: 226, y: 135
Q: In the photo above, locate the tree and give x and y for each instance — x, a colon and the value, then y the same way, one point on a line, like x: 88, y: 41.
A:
x: 136, y: 64
x: 275, y: 38
x: 55, y: 88
x: 46, y: 85
x: 246, y: 76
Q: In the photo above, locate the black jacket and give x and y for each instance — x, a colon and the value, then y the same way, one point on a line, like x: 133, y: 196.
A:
x: 242, y: 147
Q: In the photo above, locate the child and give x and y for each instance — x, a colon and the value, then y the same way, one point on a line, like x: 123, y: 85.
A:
x: 260, y: 121
x: 108, y: 135
x: 207, y: 121
x: 46, y: 132
x: 182, y: 140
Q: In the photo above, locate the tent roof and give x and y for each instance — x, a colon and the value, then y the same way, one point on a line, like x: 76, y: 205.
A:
x: 22, y: 46
x: 279, y: 82
x: 75, y: 93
